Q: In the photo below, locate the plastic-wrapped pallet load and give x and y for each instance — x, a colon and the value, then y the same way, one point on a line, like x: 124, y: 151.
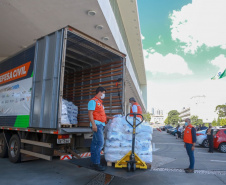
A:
x: 119, y: 140
x: 69, y: 113
x: 64, y: 113
x: 72, y: 113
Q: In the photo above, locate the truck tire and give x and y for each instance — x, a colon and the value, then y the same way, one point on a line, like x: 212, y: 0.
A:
x: 205, y: 143
x: 222, y: 147
x: 14, y: 149
x: 4, y: 145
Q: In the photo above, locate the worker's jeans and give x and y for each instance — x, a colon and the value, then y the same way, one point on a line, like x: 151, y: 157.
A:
x: 210, y: 140
x: 97, y: 144
x: 190, y: 154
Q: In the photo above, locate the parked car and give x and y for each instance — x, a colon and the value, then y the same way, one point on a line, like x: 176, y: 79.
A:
x: 166, y: 127
x: 202, y: 138
x: 161, y: 128
x: 203, y: 128
x: 219, y: 139
x: 173, y: 131
x: 169, y: 130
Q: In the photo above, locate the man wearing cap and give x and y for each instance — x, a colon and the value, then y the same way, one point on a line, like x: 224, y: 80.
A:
x: 97, y: 119
x: 135, y: 107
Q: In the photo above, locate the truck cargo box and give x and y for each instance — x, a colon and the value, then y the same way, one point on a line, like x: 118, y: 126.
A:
x: 66, y: 64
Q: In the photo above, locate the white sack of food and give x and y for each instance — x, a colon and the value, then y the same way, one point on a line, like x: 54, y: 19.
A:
x: 112, y: 150
x: 64, y: 119
x: 114, y: 136
x: 112, y: 143
x: 64, y: 107
x: 146, y: 158
x: 112, y: 157
x: 119, y: 139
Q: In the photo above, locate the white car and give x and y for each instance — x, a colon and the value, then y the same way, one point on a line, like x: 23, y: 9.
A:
x: 201, y: 138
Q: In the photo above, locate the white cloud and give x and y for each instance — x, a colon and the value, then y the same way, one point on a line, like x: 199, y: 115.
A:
x: 158, y: 43
x: 223, y: 46
x: 219, y: 61
x: 170, y: 96
x: 142, y: 37
x: 169, y: 64
x: 200, y: 23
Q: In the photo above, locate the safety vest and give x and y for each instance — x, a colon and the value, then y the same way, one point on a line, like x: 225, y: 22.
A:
x: 188, y: 134
x: 139, y: 110
x: 99, y: 113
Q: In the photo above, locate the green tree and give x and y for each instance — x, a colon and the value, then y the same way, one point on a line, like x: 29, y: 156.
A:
x: 199, y: 122
x: 147, y: 117
x: 214, y: 123
x: 173, y: 117
x: 218, y: 121
x: 194, y: 120
x: 180, y: 120
x: 222, y: 122
x: 221, y: 110
x: 166, y: 121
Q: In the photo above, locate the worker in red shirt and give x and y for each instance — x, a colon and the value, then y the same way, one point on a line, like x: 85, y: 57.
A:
x: 189, y: 144
x: 97, y: 119
x: 135, y: 107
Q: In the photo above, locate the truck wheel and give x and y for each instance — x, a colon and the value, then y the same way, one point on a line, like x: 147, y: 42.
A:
x: 3, y: 145
x: 222, y: 147
x: 205, y: 143
x: 14, y: 149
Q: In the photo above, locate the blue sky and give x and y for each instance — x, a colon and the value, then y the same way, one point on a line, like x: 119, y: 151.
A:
x: 184, y: 45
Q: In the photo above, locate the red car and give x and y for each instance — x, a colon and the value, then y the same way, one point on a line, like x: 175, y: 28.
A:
x: 219, y: 141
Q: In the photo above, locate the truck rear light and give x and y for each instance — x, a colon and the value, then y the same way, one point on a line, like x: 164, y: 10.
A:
x: 199, y: 134
x: 65, y: 136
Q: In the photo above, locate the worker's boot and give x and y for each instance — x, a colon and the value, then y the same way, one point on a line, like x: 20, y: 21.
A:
x: 190, y: 171
x: 99, y: 167
x: 91, y: 165
x: 186, y: 169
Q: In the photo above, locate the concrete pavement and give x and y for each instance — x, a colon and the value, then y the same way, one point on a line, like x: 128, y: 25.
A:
x: 169, y: 160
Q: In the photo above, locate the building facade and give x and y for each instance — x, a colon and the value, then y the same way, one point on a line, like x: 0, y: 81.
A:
x: 184, y: 114
x: 105, y: 20
x: 199, y: 107
x: 157, y: 116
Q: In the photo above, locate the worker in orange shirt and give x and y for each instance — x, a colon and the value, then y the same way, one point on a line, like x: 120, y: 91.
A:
x: 97, y: 119
x: 189, y: 144
x: 135, y: 107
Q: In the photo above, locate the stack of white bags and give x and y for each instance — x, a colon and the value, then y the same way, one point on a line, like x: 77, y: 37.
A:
x: 69, y: 113
x: 118, y: 141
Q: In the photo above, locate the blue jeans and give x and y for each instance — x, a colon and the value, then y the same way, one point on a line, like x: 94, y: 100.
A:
x: 97, y: 144
x: 190, y: 154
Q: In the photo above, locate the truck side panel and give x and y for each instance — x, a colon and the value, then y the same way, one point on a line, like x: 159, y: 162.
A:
x: 46, y: 81
x: 15, y: 88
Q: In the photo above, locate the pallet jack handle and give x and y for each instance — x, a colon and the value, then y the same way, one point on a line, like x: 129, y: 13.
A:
x: 135, y: 115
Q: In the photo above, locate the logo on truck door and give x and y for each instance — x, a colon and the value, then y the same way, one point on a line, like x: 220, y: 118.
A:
x: 15, y: 73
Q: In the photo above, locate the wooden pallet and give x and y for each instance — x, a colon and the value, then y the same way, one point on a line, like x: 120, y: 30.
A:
x: 148, y: 165
x: 69, y: 125
x: 110, y: 163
